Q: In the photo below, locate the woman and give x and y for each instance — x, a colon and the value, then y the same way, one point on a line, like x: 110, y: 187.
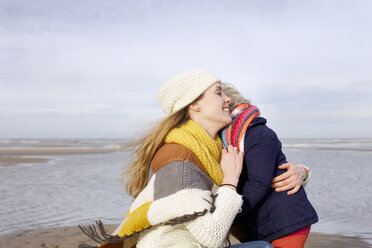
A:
x: 267, y: 215
x: 184, y: 185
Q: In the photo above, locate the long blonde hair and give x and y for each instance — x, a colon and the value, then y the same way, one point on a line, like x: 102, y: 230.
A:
x: 136, y: 176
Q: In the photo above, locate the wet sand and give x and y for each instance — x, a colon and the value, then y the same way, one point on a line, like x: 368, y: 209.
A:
x: 6, y: 161
x: 10, y: 156
x: 69, y: 237
x: 319, y: 240
x: 60, y: 150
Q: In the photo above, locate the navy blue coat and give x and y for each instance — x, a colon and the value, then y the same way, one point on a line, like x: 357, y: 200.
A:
x: 267, y: 214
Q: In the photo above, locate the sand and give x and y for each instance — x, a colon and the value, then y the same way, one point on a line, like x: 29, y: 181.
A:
x: 9, y: 156
x: 60, y: 150
x: 6, y: 161
x: 69, y: 237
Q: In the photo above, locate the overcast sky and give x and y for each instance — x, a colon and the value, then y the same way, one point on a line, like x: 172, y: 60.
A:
x: 91, y: 69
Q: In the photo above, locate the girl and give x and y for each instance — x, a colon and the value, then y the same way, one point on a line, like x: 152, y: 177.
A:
x: 279, y: 218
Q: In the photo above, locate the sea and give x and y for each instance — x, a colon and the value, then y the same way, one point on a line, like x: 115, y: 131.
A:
x: 79, y: 188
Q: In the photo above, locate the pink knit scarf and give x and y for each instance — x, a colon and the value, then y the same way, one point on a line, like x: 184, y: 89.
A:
x: 234, y: 133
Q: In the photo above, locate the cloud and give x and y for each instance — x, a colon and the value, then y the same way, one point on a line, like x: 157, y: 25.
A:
x: 106, y: 59
x: 354, y: 95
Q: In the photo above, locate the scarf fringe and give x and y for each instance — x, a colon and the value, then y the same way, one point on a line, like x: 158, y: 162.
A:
x: 102, y: 237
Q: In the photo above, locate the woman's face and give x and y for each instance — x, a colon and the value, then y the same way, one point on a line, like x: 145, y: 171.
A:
x: 214, y: 107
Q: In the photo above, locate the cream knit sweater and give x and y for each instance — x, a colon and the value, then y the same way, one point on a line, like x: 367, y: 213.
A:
x: 209, y: 230
x: 180, y: 206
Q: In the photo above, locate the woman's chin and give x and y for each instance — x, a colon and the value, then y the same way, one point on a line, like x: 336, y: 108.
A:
x: 227, y: 122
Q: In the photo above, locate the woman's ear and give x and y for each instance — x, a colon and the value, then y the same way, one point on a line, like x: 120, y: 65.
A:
x: 195, y: 106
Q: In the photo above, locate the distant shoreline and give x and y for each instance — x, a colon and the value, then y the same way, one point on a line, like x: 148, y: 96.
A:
x: 61, y: 150
x: 14, y: 156
x: 67, y: 237
x: 329, y: 148
x: 8, y: 161
x: 24, y: 151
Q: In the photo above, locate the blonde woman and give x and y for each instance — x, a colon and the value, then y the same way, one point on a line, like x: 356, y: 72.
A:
x: 183, y: 183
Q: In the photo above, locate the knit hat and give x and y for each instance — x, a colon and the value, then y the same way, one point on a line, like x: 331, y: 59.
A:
x: 184, y: 88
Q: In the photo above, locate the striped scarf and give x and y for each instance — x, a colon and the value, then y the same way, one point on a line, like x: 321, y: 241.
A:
x: 206, y: 149
x: 234, y: 133
x: 146, y: 212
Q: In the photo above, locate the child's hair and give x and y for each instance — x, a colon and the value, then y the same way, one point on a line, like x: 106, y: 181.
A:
x: 235, y: 96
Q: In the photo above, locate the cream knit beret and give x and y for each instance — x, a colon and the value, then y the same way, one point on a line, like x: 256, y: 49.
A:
x: 184, y: 88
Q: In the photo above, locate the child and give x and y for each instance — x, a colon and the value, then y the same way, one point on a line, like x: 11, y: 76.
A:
x: 284, y: 220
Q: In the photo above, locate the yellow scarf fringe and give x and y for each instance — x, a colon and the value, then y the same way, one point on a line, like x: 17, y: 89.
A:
x: 207, y: 150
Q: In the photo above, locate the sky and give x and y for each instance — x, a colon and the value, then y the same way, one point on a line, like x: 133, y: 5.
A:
x: 92, y: 68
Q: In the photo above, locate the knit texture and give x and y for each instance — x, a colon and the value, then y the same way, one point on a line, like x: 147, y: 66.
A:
x: 179, y: 153
x: 234, y: 133
x: 138, y: 220
x: 180, y: 206
x: 209, y: 230
x: 296, y: 239
x: 184, y: 88
x: 207, y: 150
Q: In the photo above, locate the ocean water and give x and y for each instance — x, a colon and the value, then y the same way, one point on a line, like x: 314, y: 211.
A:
x: 340, y: 186
x: 79, y: 188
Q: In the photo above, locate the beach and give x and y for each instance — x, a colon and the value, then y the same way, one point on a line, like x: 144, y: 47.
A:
x: 48, y: 187
x: 69, y: 237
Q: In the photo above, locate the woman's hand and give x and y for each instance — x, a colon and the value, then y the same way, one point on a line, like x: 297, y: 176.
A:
x: 290, y: 180
x: 231, y: 165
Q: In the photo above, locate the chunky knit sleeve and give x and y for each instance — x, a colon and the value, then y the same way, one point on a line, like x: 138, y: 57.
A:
x: 211, y: 229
